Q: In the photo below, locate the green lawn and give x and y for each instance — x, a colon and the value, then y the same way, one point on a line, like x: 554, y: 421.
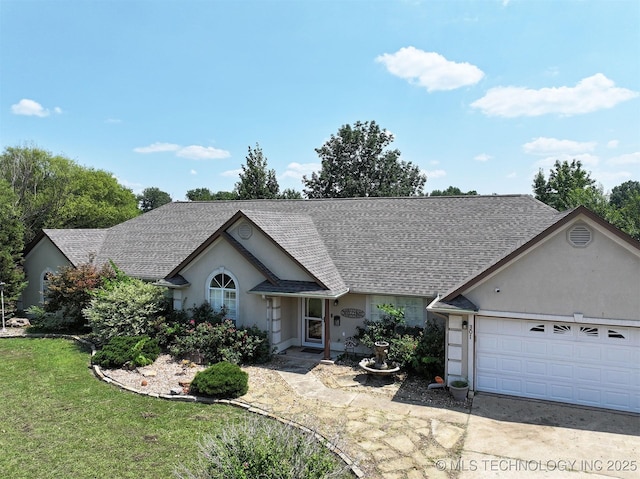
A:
x: 58, y: 421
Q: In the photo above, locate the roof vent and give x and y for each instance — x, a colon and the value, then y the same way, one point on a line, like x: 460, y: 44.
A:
x: 245, y: 231
x: 579, y: 236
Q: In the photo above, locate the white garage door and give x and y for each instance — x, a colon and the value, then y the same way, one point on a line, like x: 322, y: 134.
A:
x: 586, y: 364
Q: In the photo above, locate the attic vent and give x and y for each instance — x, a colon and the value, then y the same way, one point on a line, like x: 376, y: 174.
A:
x: 245, y: 231
x: 579, y: 236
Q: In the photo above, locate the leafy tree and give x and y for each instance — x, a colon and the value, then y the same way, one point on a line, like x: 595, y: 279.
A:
x: 11, y: 245
x: 95, y: 200
x: 355, y: 162
x: 41, y: 183
x: 622, y: 194
x: 55, y: 192
x: 290, y: 194
x: 204, y: 194
x: 453, y: 191
x: 256, y: 181
x: 152, y: 198
x: 563, y: 179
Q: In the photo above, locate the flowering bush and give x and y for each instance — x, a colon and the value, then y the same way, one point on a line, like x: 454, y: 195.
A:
x: 222, y: 341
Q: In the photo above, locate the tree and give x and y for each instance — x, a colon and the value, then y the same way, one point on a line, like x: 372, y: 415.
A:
x: 290, y: 194
x: 256, y: 181
x: 55, y: 192
x: 11, y: 245
x: 453, y: 191
x: 355, y: 162
x: 152, y: 198
x: 563, y: 179
x: 204, y: 194
x: 624, y: 192
x: 95, y: 200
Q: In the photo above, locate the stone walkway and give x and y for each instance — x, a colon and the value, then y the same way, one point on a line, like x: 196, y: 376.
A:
x: 387, y: 439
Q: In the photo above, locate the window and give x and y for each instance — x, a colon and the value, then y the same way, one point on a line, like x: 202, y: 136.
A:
x: 561, y: 329
x: 44, y: 284
x: 414, y: 308
x: 538, y: 328
x: 223, y: 294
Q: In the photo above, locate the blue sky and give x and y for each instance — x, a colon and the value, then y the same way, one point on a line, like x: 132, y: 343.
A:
x: 170, y: 94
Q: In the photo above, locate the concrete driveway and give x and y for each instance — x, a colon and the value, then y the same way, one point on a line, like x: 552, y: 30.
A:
x: 510, y: 437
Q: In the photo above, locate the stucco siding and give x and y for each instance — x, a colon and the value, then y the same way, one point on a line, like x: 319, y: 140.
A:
x: 252, y: 308
x: 270, y: 255
x: 45, y: 256
x: 556, y: 278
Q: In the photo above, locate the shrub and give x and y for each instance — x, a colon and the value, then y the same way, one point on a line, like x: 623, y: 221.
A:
x: 135, y: 350
x: 262, y: 448
x: 222, y: 341
x: 416, y: 349
x: 68, y: 293
x: 125, y: 308
x: 222, y: 380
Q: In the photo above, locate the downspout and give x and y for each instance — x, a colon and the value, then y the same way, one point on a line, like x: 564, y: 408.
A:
x: 327, y: 332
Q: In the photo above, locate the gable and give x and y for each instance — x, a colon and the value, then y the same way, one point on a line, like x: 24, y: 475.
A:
x: 598, y: 277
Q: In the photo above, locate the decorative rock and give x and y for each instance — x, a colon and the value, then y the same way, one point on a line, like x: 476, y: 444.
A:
x: 144, y: 382
x: 176, y: 391
x: 18, y: 323
x: 150, y: 373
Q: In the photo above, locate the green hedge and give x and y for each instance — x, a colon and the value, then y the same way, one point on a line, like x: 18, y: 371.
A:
x: 222, y: 381
x: 134, y: 350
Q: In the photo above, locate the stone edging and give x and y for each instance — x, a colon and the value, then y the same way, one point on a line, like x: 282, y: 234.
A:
x: 97, y: 371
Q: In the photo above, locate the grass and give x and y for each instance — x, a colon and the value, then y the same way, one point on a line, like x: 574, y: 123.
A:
x: 58, y: 420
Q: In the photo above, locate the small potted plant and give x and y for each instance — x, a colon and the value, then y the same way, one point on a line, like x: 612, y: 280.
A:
x: 459, y: 389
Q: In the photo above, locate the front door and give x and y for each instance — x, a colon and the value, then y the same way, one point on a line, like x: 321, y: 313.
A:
x: 313, y: 325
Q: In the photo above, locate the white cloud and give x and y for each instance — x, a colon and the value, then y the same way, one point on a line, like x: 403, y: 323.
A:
x: 429, y: 69
x: 113, y: 121
x: 298, y: 170
x: 628, y: 159
x: 157, y: 148
x: 512, y: 175
x: 197, y: 152
x: 135, y: 187
x: 28, y: 107
x: 193, y: 172
x: 434, y: 174
x: 613, y: 144
x: 547, y: 146
x: 590, y: 94
x: 231, y: 172
x: 434, y: 162
x: 482, y: 157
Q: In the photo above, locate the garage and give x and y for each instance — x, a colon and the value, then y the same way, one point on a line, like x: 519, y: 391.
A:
x: 577, y: 363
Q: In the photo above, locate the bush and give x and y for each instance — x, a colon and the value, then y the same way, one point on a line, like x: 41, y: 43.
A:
x: 125, y: 308
x: 222, y: 341
x: 68, y: 293
x: 222, y: 380
x: 415, y: 349
x: 135, y: 350
x: 262, y: 448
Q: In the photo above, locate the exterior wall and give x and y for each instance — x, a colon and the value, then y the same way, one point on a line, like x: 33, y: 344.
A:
x: 43, y: 257
x: 556, y: 278
x: 252, y: 308
x: 270, y: 255
x: 347, y: 326
x: 457, y: 351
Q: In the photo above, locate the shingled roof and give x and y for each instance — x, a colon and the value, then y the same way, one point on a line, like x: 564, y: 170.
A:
x: 395, y: 246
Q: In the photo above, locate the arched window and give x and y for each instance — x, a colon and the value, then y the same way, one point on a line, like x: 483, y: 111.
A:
x: 223, y: 293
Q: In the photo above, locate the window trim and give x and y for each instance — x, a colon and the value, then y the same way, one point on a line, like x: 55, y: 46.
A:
x: 208, y: 288
x: 46, y: 272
